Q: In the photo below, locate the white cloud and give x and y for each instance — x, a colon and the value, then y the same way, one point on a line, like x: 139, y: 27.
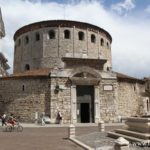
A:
x: 123, y: 7
x: 147, y: 9
x: 130, y: 46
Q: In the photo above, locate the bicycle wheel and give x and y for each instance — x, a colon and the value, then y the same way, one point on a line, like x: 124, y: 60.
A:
x: 19, y: 128
x: 9, y: 129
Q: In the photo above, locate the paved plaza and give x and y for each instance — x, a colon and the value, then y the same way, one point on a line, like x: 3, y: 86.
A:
x: 55, y: 137
x: 49, y: 137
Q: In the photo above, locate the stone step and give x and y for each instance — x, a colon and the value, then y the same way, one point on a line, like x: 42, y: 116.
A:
x: 145, y: 136
x: 116, y: 135
x: 138, y: 126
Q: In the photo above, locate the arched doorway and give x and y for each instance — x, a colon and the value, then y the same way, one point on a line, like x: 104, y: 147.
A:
x: 85, y: 103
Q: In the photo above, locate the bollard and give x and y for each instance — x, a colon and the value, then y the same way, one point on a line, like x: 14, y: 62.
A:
x: 121, y: 144
x: 101, y: 126
x: 36, y: 117
x: 71, y: 131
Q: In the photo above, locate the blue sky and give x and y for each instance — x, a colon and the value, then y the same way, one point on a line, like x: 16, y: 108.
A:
x: 126, y: 20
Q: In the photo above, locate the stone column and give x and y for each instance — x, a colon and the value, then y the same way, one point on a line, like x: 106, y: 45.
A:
x: 73, y: 104
x: 97, y: 104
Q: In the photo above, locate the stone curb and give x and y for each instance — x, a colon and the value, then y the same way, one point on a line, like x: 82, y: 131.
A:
x: 67, y: 125
x: 81, y: 144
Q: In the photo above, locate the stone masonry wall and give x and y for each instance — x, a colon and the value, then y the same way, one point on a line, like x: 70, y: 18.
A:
x: 108, y: 101
x: 24, y: 97
x: 60, y: 100
x: 130, y: 99
x: 47, y: 53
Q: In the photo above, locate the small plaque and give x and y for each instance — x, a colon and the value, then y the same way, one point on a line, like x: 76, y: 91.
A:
x: 108, y: 87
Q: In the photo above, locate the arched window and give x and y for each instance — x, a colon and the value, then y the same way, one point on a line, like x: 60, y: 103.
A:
x: 102, y: 42
x: 26, y: 40
x: 27, y: 67
x: 37, y: 36
x: 81, y: 36
x: 67, y: 34
x: 19, y: 42
x: 51, y: 34
x: 107, y: 45
x: 93, y: 38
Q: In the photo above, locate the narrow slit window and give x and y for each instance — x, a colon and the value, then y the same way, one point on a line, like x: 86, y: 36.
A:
x: 102, y: 42
x: 23, y: 88
x: 107, y: 45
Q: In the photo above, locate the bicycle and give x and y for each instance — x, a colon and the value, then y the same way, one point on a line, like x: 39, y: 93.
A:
x: 14, y: 127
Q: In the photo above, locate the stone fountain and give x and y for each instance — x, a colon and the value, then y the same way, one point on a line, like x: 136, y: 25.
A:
x: 137, y: 129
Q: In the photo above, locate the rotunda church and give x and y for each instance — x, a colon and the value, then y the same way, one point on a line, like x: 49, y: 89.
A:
x: 66, y: 66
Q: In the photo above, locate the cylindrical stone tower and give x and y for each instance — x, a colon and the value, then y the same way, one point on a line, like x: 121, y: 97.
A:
x: 44, y: 44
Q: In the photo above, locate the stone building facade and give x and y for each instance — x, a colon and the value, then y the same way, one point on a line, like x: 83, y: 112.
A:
x: 66, y: 66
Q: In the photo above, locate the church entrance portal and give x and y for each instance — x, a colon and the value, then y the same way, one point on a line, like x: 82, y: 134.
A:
x: 85, y: 104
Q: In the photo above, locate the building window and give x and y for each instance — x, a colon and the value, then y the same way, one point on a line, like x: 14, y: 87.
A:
x: 108, y: 68
x: 93, y: 38
x: 19, y: 42
x: 23, y: 88
x: 27, y: 67
x: 102, y: 42
x: 26, y: 40
x: 37, y: 36
x: 67, y: 34
x: 51, y: 34
x: 107, y: 45
x: 81, y: 36
x: 134, y: 88
x: 148, y: 105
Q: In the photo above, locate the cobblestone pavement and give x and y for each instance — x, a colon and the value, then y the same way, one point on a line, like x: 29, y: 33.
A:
x: 37, y: 139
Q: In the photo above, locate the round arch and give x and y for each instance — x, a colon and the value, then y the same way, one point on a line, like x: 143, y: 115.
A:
x: 88, y: 70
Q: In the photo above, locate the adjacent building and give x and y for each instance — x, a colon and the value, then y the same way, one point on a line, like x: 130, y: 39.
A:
x: 3, y: 61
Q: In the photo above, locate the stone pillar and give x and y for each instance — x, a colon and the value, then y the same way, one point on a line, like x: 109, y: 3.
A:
x: 36, y: 117
x: 121, y: 144
x: 101, y: 126
x: 73, y: 104
x: 71, y: 131
x: 97, y: 104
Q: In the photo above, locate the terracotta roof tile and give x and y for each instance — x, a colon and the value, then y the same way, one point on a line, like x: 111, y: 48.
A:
x: 31, y: 73
x: 126, y: 77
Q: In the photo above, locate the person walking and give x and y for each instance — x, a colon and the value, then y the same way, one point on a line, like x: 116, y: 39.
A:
x: 59, y: 117
x: 3, y: 119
